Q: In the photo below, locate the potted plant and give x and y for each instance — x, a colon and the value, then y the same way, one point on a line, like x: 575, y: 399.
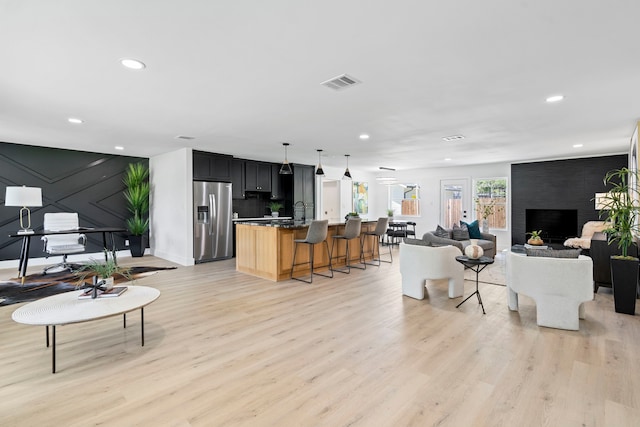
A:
x: 390, y: 213
x: 620, y: 208
x: 101, y: 273
x: 137, y: 196
x: 535, y: 239
x: 351, y: 215
x: 485, y: 211
x: 275, y: 208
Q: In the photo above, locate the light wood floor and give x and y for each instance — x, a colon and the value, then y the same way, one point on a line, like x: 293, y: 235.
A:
x: 226, y: 349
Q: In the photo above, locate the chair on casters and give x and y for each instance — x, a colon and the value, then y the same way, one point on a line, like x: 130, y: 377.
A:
x: 351, y: 231
x: 62, y: 244
x: 378, y: 232
x: 317, y: 233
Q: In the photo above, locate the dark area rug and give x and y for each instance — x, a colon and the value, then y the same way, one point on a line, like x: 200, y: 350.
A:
x: 38, y: 286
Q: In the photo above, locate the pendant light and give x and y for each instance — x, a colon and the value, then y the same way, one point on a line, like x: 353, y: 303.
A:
x: 319, y: 171
x: 347, y: 174
x: 285, y: 169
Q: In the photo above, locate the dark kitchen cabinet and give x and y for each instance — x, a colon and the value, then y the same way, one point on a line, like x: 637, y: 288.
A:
x: 277, y: 190
x: 211, y: 166
x: 304, y: 180
x: 237, y: 178
x: 257, y: 176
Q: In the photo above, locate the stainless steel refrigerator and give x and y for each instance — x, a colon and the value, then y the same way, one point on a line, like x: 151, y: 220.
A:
x: 212, y: 225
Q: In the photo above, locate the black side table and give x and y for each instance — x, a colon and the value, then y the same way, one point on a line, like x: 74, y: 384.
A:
x: 477, y: 265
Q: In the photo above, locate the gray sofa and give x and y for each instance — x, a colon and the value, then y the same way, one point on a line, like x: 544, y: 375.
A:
x: 487, y: 243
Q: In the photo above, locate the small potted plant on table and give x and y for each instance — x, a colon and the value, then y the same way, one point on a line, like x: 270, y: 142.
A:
x: 101, y: 273
x: 275, y: 208
x: 535, y: 239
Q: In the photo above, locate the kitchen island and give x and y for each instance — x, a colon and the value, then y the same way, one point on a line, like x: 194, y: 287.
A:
x: 265, y: 248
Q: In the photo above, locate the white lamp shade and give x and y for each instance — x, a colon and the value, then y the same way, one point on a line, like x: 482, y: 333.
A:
x: 23, y: 196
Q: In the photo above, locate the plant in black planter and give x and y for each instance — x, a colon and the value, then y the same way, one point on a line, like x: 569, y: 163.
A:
x: 137, y: 197
x: 621, y: 210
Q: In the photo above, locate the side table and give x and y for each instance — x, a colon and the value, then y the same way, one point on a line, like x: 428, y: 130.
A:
x: 477, y: 265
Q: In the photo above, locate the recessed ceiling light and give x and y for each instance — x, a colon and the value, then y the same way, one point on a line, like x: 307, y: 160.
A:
x: 364, y: 136
x: 74, y: 120
x: 452, y: 138
x: 577, y: 145
x: 447, y: 159
x: 133, y: 64
x: 555, y: 98
x: 119, y: 148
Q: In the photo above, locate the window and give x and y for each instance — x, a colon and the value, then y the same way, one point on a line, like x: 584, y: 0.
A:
x: 404, y: 199
x: 491, y: 201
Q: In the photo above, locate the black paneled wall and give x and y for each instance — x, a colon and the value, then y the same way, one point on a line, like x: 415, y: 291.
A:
x: 71, y: 181
x: 560, y: 184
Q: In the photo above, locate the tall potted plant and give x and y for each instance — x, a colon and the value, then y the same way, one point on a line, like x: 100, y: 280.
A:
x: 137, y: 196
x: 621, y: 210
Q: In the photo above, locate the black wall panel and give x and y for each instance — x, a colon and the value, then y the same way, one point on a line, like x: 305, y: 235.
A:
x: 559, y: 184
x: 71, y: 181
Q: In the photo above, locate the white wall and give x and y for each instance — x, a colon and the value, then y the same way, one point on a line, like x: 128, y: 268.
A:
x: 171, y: 232
x: 345, y: 192
x: 429, y: 182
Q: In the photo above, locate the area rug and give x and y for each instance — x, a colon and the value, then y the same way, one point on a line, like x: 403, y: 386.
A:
x: 493, y: 274
x: 38, y: 286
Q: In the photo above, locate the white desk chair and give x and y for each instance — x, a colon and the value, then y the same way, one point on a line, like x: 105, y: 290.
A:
x: 62, y: 244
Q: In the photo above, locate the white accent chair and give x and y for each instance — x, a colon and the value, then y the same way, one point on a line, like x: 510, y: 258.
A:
x: 62, y: 244
x: 419, y: 263
x: 559, y: 287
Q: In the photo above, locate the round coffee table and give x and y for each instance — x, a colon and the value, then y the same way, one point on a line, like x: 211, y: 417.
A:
x: 477, y: 265
x: 67, y: 308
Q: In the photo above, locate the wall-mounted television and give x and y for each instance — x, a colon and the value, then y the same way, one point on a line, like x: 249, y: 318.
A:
x: 556, y: 224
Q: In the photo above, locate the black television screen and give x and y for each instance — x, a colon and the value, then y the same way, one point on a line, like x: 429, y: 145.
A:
x: 556, y: 224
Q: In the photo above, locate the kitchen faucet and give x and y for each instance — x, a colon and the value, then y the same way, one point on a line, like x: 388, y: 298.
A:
x: 296, y: 209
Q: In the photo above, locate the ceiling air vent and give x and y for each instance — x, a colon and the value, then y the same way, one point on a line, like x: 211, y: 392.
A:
x: 452, y: 138
x: 341, y: 82
x: 185, y: 137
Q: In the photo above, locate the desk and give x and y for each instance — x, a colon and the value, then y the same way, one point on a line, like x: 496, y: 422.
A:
x: 476, y: 265
x: 26, y: 242
x: 66, y: 308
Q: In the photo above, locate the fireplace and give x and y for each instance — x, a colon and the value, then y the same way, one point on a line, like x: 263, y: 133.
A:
x: 556, y: 224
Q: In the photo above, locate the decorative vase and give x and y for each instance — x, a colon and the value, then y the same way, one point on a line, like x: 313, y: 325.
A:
x: 535, y: 242
x: 137, y: 245
x: 473, y: 251
x: 485, y: 225
x: 624, y: 278
x: 275, y: 214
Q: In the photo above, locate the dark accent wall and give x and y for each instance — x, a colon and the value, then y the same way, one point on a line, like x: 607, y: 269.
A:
x: 71, y: 181
x: 559, y: 184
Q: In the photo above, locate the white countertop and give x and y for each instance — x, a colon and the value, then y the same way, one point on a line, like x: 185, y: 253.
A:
x: 262, y: 218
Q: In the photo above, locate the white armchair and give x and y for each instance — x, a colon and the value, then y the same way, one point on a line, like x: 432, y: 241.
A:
x: 559, y: 286
x: 419, y: 263
x: 62, y: 244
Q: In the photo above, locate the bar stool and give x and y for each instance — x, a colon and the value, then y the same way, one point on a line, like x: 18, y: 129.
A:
x: 378, y: 232
x: 351, y: 231
x: 316, y: 233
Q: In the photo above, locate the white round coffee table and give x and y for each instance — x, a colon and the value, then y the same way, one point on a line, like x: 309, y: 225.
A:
x: 67, y: 308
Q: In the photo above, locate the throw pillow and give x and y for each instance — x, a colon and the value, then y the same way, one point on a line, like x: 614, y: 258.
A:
x: 417, y: 242
x: 474, y: 229
x: 441, y: 232
x: 550, y: 253
x: 460, y: 232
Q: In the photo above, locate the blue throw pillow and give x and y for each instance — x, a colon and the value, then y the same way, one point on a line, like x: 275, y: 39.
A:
x: 474, y: 229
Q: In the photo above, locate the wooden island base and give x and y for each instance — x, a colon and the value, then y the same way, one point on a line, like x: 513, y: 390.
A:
x: 267, y: 252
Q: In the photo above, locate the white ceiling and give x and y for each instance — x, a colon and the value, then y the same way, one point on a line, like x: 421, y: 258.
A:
x: 244, y: 76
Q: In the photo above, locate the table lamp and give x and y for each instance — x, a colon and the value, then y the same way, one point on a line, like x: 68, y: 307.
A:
x: 24, y: 196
